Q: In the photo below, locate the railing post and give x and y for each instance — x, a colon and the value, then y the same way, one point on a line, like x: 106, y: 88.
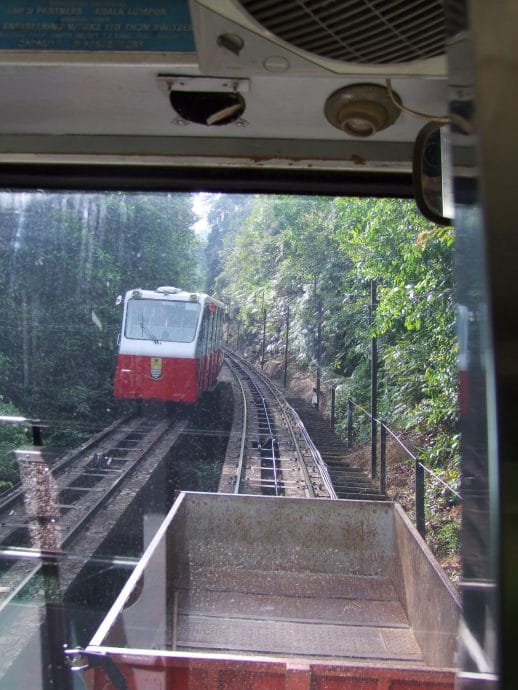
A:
x: 319, y: 352
x: 374, y: 380
x: 383, y: 456
x: 263, y: 346
x: 419, y: 498
x: 349, y: 423
x: 333, y: 408
x: 286, y: 342
x: 37, y: 439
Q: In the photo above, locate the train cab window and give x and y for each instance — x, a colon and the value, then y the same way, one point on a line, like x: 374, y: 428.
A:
x: 291, y: 280
x: 218, y: 327
x: 162, y: 320
x: 212, y: 322
x: 209, y: 333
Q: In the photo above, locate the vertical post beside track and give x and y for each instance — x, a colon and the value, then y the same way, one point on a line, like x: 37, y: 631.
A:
x: 419, y: 498
x: 349, y: 423
x: 374, y: 381
x: 383, y: 456
x: 263, y: 346
x: 285, y: 380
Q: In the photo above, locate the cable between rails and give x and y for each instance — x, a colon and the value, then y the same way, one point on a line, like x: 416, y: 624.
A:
x: 317, y: 458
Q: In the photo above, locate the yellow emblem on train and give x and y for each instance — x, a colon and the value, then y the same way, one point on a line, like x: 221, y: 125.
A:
x: 156, y: 367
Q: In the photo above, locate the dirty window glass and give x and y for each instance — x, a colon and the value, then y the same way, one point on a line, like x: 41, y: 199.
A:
x: 154, y: 319
x: 99, y: 546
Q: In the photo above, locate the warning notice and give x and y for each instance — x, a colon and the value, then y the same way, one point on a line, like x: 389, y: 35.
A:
x: 95, y: 25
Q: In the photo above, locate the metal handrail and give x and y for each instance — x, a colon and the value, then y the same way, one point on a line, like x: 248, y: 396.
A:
x: 408, y: 451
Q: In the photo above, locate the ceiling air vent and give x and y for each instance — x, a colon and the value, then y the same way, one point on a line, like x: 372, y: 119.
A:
x: 364, y: 31
x: 346, y: 37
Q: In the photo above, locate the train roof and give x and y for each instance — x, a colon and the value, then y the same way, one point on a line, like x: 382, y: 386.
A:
x: 173, y: 293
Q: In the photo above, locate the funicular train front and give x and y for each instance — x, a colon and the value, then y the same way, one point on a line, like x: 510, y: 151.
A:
x: 169, y: 346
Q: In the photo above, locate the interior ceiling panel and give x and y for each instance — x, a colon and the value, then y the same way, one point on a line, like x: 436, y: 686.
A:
x: 112, y: 99
x: 79, y: 103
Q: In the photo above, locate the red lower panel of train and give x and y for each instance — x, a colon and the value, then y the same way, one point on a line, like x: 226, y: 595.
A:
x: 210, y: 674
x: 139, y: 377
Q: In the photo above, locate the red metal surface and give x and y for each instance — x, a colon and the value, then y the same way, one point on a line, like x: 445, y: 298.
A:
x: 168, y: 673
x: 214, y: 367
x: 178, y: 381
x: 203, y: 375
x: 209, y: 369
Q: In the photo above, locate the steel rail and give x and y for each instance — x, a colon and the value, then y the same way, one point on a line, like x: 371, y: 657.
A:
x: 315, y: 453
x: 91, y: 510
x: 265, y: 416
x: 296, y: 420
x: 248, y: 371
x: 271, y: 441
x: 16, y: 492
x: 292, y: 420
x: 244, y: 430
x: 125, y: 473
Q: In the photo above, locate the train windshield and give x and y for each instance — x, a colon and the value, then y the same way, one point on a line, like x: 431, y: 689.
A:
x: 88, y: 477
x: 157, y: 320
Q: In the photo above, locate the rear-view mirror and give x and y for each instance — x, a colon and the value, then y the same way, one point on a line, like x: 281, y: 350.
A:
x: 432, y: 177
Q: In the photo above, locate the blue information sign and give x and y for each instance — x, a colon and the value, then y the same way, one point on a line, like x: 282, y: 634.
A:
x: 96, y: 25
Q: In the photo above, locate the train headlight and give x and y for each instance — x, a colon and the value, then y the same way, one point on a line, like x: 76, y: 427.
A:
x: 136, y: 293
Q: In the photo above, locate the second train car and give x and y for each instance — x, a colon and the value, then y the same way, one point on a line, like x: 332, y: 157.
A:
x: 169, y: 346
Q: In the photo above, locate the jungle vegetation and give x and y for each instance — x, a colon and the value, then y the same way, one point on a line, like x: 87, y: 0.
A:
x: 317, y: 257
x: 64, y: 258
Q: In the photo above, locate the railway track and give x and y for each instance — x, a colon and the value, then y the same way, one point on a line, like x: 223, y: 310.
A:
x: 53, y: 505
x: 63, y: 509
x: 272, y: 453
x: 56, y: 520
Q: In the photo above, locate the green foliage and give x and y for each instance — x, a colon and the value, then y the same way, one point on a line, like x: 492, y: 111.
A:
x: 226, y: 216
x: 411, y: 259
x: 11, y: 437
x: 317, y: 256
x: 444, y: 525
x: 448, y: 538
x: 63, y: 259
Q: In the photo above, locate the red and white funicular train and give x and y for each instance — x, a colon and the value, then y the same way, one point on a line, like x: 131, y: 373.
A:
x: 170, y: 345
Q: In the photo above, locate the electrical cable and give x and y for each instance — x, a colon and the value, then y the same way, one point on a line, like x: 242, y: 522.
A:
x: 441, y: 119
x: 452, y: 119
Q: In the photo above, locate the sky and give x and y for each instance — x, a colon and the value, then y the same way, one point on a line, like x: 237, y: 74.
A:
x: 201, y: 206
